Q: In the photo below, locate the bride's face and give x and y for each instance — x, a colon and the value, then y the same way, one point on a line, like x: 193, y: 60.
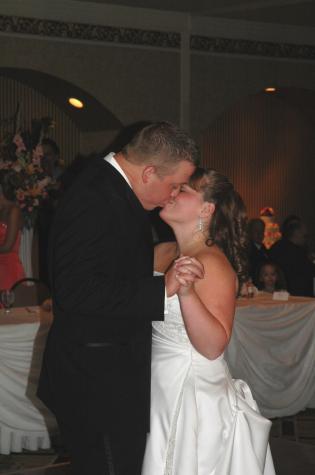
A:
x: 185, y: 208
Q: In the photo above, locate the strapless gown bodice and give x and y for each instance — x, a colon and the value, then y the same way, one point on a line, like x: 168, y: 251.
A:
x: 172, y: 327
x: 202, y: 421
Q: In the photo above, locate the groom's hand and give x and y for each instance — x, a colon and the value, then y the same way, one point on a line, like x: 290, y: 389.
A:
x: 184, y: 271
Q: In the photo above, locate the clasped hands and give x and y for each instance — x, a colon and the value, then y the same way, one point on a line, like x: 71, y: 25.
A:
x: 182, y: 275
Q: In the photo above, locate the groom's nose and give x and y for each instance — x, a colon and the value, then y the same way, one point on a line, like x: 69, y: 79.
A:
x: 175, y: 191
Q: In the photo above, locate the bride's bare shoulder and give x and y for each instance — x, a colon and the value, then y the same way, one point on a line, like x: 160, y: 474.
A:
x: 214, y: 260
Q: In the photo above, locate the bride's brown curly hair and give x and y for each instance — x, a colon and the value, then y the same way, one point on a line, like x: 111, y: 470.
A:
x: 228, y: 224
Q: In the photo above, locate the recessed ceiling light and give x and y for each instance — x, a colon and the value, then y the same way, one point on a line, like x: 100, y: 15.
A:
x: 270, y: 89
x: 76, y: 103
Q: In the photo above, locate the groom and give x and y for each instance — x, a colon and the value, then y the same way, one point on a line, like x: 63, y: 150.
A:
x: 96, y: 367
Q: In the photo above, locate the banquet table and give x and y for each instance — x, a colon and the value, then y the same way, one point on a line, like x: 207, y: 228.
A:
x: 272, y: 348
x: 25, y: 423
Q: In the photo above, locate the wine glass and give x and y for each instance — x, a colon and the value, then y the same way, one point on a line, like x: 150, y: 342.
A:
x: 7, y: 299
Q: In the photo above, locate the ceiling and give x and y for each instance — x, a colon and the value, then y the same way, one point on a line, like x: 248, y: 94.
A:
x: 284, y: 12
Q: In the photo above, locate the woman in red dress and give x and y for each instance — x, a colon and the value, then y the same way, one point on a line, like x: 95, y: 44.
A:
x: 11, y: 222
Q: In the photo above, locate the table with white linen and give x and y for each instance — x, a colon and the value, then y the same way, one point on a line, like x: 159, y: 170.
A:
x: 25, y: 423
x: 273, y: 349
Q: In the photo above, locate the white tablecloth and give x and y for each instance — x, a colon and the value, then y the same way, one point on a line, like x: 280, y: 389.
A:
x: 24, y: 421
x: 273, y: 349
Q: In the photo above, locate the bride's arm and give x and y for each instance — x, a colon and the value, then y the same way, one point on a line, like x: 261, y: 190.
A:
x: 208, y: 307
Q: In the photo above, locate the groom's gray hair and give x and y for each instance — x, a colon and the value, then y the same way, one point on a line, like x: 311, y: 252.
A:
x: 161, y: 144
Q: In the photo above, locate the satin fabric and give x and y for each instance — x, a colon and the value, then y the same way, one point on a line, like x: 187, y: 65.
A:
x: 202, y: 421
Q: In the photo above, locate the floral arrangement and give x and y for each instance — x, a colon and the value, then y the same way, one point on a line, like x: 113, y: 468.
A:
x: 22, y: 151
x: 272, y: 230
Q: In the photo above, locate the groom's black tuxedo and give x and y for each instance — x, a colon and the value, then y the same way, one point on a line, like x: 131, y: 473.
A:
x: 96, y: 367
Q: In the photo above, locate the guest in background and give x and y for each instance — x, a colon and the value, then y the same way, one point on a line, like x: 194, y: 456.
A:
x: 257, y: 252
x: 270, y: 278
x: 51, y: 158
x: 11, y: 223
x: 291, y: 218
x: 76, y: 167
x: 291, y: 255
x: 50, y: 165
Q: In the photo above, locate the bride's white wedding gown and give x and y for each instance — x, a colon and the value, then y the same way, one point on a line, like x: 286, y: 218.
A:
x: 202, y: 421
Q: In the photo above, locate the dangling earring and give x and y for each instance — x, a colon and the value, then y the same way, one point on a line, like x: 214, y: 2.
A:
x: 200, y: 226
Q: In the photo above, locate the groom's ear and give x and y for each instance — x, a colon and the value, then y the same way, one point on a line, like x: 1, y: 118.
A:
x: 147, y: 173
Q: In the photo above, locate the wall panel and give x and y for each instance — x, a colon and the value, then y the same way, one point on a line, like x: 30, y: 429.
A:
x: 267, y: 147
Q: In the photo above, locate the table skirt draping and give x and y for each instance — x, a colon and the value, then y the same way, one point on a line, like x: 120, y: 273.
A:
x: 273, y: 349
x: 25, y: 423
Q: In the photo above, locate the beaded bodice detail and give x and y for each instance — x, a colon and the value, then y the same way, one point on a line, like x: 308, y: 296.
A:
x: 173, y: 327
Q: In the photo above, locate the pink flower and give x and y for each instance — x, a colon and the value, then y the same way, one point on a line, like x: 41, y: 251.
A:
x: 30, y: 209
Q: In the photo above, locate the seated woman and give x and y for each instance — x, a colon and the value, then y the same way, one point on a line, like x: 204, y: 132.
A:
x: 11, y: 222
x: 270, y: 278
x: 202, y: 421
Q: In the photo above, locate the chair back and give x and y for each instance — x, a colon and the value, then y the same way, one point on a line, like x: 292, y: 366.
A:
x: 29, y: 292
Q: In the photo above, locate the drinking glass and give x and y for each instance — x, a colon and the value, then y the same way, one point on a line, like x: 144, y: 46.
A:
x: 7, y: 299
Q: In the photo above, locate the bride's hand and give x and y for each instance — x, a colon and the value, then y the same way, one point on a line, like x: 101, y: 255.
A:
x: 184, y: 271
x: 188, y: 270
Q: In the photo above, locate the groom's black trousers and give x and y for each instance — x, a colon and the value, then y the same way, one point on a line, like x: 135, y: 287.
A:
x: 99, y: 453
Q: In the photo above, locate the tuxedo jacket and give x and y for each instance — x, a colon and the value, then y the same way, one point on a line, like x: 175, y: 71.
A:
x: 97, y: 360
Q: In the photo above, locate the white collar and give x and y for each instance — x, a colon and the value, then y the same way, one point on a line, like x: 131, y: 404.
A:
x: 110, y: 158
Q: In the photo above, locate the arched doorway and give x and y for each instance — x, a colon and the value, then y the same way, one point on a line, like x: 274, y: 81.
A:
x: 28, y: 95
x: 43, y: 95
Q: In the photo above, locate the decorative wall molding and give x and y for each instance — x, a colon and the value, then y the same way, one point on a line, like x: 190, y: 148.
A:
x: 152, y: 38
x: 82, y: 31
x: 250, y: 47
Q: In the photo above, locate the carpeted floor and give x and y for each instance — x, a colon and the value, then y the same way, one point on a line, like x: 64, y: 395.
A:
x: 292, y: 444
x: 20, y: 462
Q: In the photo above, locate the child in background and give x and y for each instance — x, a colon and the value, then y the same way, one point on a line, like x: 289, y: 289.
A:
x: 270, y: 278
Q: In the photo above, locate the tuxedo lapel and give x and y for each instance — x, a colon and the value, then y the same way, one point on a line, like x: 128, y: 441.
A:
x: 125, y: 191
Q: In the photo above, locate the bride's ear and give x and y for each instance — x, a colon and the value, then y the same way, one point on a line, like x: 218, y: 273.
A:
x: 207, y: 210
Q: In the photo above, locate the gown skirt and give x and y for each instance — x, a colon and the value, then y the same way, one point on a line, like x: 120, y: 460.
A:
x: 202, y: 421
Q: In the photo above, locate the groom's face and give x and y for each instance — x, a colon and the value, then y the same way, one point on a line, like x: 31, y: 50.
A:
x: 159, y: 190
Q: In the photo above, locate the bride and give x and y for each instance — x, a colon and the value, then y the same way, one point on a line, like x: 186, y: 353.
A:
x: 202, y: 421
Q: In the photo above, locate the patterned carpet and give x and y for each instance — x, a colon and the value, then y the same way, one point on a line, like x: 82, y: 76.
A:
x: 292, y: 444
